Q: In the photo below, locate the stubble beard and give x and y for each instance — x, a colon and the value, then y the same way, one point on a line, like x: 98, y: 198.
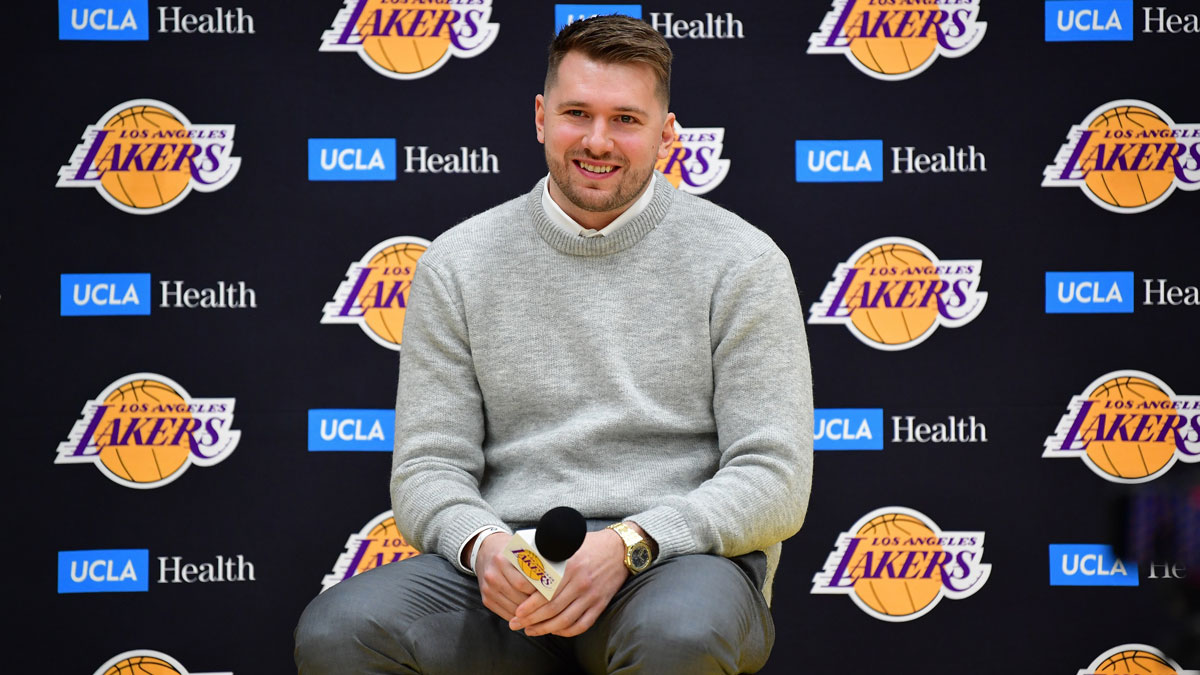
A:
x: 628, y: 188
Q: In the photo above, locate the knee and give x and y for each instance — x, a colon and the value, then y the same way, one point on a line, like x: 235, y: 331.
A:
x: 331, y: 629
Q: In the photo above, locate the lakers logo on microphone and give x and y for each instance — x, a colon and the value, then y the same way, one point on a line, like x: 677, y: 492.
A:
x: 896, y: 564
x: 144, y: 430
x: 144, y: 156
x: 1128, y: 156
x: 893, y: 293
x: 374, y: 294
x: 1128, y: 426
x: 409, y: 39
x: 898, y: 39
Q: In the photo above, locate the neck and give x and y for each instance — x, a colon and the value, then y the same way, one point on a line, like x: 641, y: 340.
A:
x: 592, y: 220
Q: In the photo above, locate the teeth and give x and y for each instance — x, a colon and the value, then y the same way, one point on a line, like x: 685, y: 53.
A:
x: 596, y: 169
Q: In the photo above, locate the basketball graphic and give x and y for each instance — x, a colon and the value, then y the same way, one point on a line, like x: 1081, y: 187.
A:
x: 409, y: 39
x: 1128, y: 427
x: 896, y: 564
x: 144, y: 430
x: 156, y: 459
x: 378, y: 543
x: 893, y: 293
x: 142, y: 662
x: 894, y: 597
x: 158, y: 184
x: 1133, y: 659
x: 1127, y: 156
x: 144, y: 156
x: 898, y: 39
x: 374, y: 294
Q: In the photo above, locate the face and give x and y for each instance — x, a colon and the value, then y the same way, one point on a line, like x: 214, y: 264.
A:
x: 604, y: 128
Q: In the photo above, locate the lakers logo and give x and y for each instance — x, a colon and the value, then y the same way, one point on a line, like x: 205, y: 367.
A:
x: 374, y: 294
x: 144, y: 430
x: 1134, y: 658
x: 144, y: 157
x: 378, y: 543
x: 532, y: 566
x: 896, y: 565
x: 1128, y: 156
x: 1128, y: 427
x: 898, y: 39
x: 145, y: 662
x: 695, y: 163
x: 892, y: 293
x: 409, y: 39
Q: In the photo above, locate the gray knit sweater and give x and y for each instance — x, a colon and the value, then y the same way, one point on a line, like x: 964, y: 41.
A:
x: 658, y: 375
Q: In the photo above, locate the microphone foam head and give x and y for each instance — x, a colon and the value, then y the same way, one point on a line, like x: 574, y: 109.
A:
x: 560, y: 533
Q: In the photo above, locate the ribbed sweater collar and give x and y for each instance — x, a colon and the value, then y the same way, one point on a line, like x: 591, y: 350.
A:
x: 629, y: 234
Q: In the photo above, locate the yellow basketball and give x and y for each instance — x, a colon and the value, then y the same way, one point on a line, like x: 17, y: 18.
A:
x: 417, y: 48
x: 387, y: 546
x: 142, y: 189
x: 890, y: 55
x: 1136, y: 661
x: 142, y: 665
x: 1126, y: 189
x: 903, y: 596
x: 891, y: 325
x: 382, y: 301
x: 148, y: 461
x: 1120, y: 458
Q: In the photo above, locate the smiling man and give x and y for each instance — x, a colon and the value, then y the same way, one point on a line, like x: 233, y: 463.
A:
x: 607, y: 343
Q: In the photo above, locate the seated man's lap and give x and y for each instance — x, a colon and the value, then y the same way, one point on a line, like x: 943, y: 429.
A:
x: 423, y: 611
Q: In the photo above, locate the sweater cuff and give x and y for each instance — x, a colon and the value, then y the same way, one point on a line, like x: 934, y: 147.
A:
x: 463, y: 526
x: 669, y: 530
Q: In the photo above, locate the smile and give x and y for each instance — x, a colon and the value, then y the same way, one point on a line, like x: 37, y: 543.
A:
x: 595, y: 168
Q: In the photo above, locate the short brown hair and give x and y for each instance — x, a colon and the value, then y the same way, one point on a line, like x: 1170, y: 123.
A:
x: 614, y: 38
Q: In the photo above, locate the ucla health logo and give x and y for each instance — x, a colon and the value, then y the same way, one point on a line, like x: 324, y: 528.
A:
x: 896, y: 564
x: 1089, y: 565
x: 1128, y: 426
x: 848, y: 429
x: 893, y: 293
x: 104, y: 294
x: 566, y: 14
x: 410, y: 39
x: 1089, y: 20
x: 1128, y: 156
x: 104, y: 571
x: 352, y: 159
x: 351, y: 429
x: 146, y: 661
x: 898, y: 39
x: 143, y: 156
x: 374, y: 294
x: 378, y: 543
x: 144, y: 430
x: 103, y: 20
x: 1134, y: 658
x: 1089, y: 292
x: 695, y: 165
x: 839, y: 161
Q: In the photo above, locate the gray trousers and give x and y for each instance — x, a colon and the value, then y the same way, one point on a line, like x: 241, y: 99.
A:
x: 691, y: 614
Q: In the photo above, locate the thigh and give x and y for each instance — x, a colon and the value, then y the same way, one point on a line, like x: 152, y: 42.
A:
x: 415, y: 615
x: 691, y: 614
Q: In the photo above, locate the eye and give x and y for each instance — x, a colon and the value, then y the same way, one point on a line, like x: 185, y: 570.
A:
x: 575, y: 113
x: 627, y: 119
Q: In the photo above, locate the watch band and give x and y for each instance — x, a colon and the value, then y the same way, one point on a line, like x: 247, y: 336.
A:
x: 483, y: 534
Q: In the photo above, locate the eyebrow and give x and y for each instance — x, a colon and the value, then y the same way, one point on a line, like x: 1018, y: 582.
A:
x: 624, y: 108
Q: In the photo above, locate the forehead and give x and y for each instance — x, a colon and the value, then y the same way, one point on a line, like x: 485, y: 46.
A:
x: 615, y: 85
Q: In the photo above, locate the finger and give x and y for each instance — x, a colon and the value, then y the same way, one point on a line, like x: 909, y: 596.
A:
x: 586, y: 621
x: 561, y: 621
x: 500, y: 606
x: 516, y: 580
x: 496, y: 583
x: 536, y: 602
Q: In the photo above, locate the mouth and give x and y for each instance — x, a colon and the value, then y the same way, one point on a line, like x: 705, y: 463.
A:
x: 594, y: 170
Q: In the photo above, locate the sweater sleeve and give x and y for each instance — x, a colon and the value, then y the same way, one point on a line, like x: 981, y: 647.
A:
x: 438, y: 460
x: 762, y: 404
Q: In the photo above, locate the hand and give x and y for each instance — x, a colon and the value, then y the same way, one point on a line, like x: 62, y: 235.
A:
x: 593, y: 576
x: 502, y: 587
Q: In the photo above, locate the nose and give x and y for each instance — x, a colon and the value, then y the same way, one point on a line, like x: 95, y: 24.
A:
x: 597, y: 140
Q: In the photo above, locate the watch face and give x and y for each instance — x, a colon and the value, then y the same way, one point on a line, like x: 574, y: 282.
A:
x: 639, y: 556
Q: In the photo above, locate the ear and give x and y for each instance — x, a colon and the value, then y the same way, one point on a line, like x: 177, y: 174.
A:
x: 539, y: 117
x: 668, y: 137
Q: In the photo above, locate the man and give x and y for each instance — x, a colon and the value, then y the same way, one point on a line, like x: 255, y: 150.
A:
x: 607, y: 343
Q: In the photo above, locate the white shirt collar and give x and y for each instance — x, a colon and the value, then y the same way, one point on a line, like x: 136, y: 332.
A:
x: 568, y: 224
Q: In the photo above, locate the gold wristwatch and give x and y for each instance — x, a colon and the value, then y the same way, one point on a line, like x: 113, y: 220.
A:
x: 637, y: 551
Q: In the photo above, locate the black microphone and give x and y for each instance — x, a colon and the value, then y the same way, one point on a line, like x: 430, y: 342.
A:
x: 540, y: 554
